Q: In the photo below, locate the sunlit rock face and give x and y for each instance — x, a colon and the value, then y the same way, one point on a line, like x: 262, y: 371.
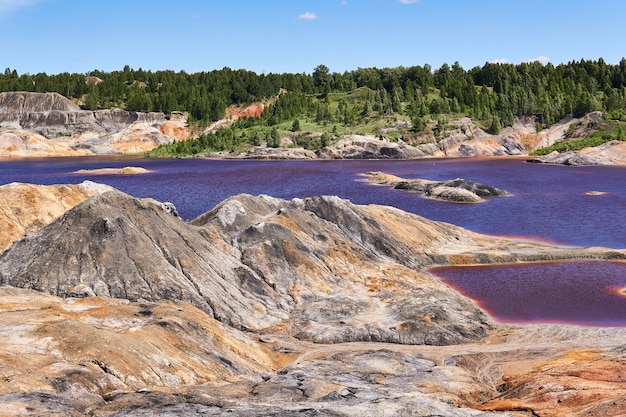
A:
x: 610, y: 153
x: 263, y: 306
x: 322, y: 269
x: 350, y: 272
x: 48, y: 124
x: 371, y: 147
x: 26, y: 208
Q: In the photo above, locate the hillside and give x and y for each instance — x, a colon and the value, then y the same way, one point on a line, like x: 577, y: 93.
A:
x: 265, y: 306
x: 496, y: 109
x: 50, y: 131
x: 48, y: 124
x: 26, y: 208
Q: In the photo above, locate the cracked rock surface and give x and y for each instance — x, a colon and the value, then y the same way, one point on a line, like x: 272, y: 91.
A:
x: 263, y: 306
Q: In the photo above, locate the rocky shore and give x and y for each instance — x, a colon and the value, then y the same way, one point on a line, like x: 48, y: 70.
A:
x: 48, y: 124
x: 114, y: 306
x: 610, y: 153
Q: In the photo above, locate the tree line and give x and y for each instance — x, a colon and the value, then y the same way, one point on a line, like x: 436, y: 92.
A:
x: 494, y: 92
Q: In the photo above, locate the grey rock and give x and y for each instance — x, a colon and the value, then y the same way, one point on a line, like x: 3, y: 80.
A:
x: 369, y: 147
x: 247, y: 264
x: 457, y: 190
x: 371, y: 383
x: 52, y: 115
x: 170, y: 208
x: 570, y: 158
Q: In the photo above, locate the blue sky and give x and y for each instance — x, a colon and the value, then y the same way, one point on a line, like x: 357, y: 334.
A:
x: 55, y: 36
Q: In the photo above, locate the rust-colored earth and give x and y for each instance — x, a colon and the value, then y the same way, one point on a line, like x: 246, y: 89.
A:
x: 102, y: 356
x: 237, y: 112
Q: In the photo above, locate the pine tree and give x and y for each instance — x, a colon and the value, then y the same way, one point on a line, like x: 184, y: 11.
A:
x: 496, y: 127
x: 295, y: 126
x: 274, y: 138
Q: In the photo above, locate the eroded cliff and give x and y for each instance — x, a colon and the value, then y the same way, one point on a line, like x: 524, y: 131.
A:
x: 48, y: 124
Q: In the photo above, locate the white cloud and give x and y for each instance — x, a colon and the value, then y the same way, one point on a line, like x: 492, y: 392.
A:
x: 408, y: 1
x: 344, y: 3
x: 10, y: 5
x: 499, y: 61
x: 542, y: 59
x: 307, y: 16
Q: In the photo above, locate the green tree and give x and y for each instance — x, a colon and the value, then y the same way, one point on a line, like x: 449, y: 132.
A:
x: 496, y: 126
x: 419, y: 123
x: 325, y: 139
x: 256, y: 139
x: 295, y: 126
x: 91, y: 102
x: 274, y: 138
x: 321, y: 78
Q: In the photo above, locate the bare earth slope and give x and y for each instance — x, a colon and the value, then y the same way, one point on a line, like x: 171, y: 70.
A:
x: 48, y: 124
x: 25, y: 208
x: 264, y: 306
x: 610, y: 153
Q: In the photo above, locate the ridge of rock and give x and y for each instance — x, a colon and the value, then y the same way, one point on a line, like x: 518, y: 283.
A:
x: 117, y: 246
x: 278, y: 275
x: 256, y: 263
x: 26, y: 208
x: 27, y: 102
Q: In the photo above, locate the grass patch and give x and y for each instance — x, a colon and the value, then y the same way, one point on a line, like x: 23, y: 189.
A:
x: 610, y: 131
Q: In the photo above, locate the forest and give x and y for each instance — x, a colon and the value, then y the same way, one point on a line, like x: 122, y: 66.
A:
x: 493, y: 95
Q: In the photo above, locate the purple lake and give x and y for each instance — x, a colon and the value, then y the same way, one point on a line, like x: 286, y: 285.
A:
x: 586, y: 292
x: 549, y: 203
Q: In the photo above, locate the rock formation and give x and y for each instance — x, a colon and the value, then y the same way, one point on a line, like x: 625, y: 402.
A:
x: 58, y: 123
x: 263, y: 306
x: 247, y: 264
x: 20, y: 143
x: 610, y: 153
x: 457, y: 190
x: 370, y: 147
x: 468, y: 140
x: 26, y: 208
x: 254, y: 110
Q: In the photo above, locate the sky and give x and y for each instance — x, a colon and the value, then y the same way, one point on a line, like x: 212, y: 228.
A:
x: 295, y: 36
